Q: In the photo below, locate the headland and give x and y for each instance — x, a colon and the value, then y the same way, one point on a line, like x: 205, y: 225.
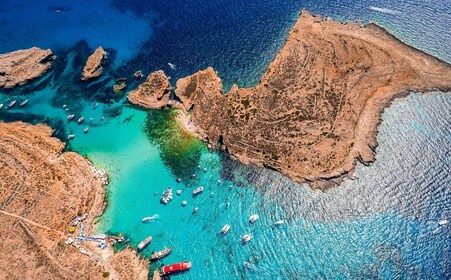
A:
x: 317, y: 108
x: 153, y: 93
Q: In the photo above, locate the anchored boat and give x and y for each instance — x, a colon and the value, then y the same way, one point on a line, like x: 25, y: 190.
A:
x: 167, y: 196
x: 70, y: 117
x: 253, y: 218
x: 161, y: 254
x: 225, y: 229
x: 12, y: 103
x: 279, y: 222
x: 178, y: 267
x: 23, y: 103
x: 246, y: 238
x: 143, y: 244
x: 198, y: 190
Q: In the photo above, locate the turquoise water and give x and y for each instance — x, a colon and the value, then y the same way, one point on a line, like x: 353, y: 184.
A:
x: 384, y: 224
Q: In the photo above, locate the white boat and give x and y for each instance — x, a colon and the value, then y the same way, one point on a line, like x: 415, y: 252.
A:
x: 23, y: 103
x: 1, y: 106
x: 279, y: 222
x: 246, y: 238
x: 70, y: 117
x: 195, y: 210
x: 94, y: 106
x: 179, y: 192
x: 70, y: 136
x: 198, y: 190
x: 253, y: 218
x: 184, y: 203
x: 225, y: 229
x: 86, y: 129
x: 80, y: 120
x: 12, y: 103
x: 443, y: 222
x: 172, y: 66
x: 143, y: 244
x: 167, y: 196
x: 149, y: 219
x: 64, y: 106
x: 212, y: 194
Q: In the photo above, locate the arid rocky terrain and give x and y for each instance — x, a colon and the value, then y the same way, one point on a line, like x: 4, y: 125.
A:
x: 19, y: 67
x: 42, y: 190
x: 316, y: 110
x: 93, y: 67
x: 153, y: 93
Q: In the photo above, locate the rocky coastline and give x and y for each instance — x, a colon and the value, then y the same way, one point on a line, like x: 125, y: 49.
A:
x: 44, y: 193
x: 19, y: 67
x: 316, y: 110
x: 153, y: 93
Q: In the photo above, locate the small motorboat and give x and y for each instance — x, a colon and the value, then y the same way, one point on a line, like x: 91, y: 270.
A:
x: 149, y: 219
x: 161, y: 254
x: 94, y: 106
x: 246, y: 238
x: 443, y: 222
x: 143, y: 244
x: 1, y: 106
x: 64, y: 106
x: 80, y: 120
x: 172, y: 66
x: 212, y: 194
x: 198, y: 190
x: 167, y: 269
x: 70, y: 136
x: 195, y: 210
x: 86, y: 129
x: 279, y: 222
x: 70, y: 117
x: 23, y: 103
x: 12, y: 103
x: 253, y: 218
x: 184, y: 203
x: 178, y: 180
x: 225, y: 229
x: 179, y: 192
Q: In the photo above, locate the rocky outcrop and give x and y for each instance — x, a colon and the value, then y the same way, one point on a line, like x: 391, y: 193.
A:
x: 19, y: 67
x: 316, y: 110
x: 42, y: 190
x: 153, y: 93
x: 93, y: 67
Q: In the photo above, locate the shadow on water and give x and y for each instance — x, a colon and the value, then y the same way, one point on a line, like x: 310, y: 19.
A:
x: 178, y: 150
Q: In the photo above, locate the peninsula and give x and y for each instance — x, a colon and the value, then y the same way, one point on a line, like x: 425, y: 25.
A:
x: 19, y: 67
x: 42, y: 191
x: 93, y: 67
x: 317, y: 108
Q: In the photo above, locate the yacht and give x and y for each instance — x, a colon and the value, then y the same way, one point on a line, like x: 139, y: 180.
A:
x: 143, y: 244
x: 253, y: 218
x: 149, y: 219
x: 198, y: 190
x: 1, y: 106
x: 184, y: 203
x: 178, y: 267
x: 23, y: 103
x: 246, y: 238
x: 86, y: 129
x: 167, y: 196
x: 161, y: 254
x: 279, y: 222
x: 70, y: 136
x: 172, y: 66
x: 443, y: 222
x: 70, y: 117
x: 80, y: 120
x: 195, y: 210
x: 12, y: 103
x: 225, y: 229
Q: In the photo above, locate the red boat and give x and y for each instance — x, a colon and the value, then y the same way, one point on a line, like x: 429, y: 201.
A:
x: 167, y: 269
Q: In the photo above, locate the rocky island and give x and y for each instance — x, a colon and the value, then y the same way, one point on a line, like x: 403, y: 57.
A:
x: 19, y: 67
x: 41, y: 192
x: 153, y: 93
x: 93, y: 67
x: 316, y: 110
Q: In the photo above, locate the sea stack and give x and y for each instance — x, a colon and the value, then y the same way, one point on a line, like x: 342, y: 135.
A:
x: 153, y: 93
x: 316, y: 110
x: 93, y: 67
x: 19, y: 67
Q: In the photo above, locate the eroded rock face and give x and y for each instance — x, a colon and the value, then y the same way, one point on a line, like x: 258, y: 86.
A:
x: 41, y: 191
x: 19, y: 67
x: 153, y: 93
x: 318, y: 106
x: 93, y: 67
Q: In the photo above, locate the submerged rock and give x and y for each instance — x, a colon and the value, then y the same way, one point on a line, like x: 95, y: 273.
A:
x: 19, y: 67
x: 153, y: 93
x: 93, y: 67
x: 119, y: 86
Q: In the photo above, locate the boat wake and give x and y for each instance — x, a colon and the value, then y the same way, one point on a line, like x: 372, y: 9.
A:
x: 384, y: 10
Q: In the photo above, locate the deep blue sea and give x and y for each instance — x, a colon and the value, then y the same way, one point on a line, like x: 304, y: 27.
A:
x: 383, y: 224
